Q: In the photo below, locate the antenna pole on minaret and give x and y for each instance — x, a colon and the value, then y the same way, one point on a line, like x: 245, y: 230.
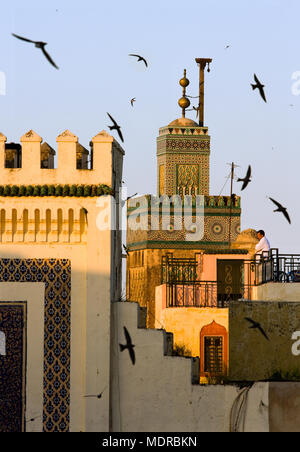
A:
x: 202, y: 62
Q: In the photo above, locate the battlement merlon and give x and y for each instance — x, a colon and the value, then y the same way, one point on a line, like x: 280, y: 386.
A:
x: 26, y: 164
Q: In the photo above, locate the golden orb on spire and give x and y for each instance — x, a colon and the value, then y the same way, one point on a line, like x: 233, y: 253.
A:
x: 184, y: 82
x: 184, y: 102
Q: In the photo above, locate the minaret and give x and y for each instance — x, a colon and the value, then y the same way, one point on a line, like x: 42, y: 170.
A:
x: 183, y: 150
x: 183, y: 154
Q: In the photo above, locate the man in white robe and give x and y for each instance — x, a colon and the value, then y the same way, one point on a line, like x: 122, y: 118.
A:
x: 263, y: 247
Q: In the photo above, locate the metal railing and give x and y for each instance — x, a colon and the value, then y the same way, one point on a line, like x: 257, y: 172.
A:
x: 178, y: 270
x: 203, y: 294
x: 286, y: 267
x: 274, y: 267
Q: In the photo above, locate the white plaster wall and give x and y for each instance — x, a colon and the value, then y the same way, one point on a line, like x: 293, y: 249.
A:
x: 90, y: 305
x: 257, y: 408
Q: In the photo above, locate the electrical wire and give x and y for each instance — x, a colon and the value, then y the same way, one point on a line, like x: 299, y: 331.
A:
x: 239, y: 409
x: 227, y: 179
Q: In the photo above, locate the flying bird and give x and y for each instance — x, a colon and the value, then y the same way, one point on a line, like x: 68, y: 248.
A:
x: 197, y: 110
x: 132, y: 101
x: 95, y: 396
x: 281, y: 209
x: 227, y: 47
x: 140, y: 58
x: 129, y: 345
x: 246, y: 179
x: 256, y: 325
x: 98, y: 396
x: 260, y: 88
x: 116, y: 127
x: 33, y: 419
x: 40, y: 45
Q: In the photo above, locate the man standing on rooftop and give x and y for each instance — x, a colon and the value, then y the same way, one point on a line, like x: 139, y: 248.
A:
x: 263, y: 246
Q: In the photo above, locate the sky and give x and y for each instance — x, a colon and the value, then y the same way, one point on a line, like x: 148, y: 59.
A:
x: 90, y: 42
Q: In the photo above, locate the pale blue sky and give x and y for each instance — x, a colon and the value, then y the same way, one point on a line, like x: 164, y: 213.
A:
x: 90, y: 42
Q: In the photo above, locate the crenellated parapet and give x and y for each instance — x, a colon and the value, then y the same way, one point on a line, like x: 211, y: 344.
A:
x: 31, y: 162
x: 208, y: 201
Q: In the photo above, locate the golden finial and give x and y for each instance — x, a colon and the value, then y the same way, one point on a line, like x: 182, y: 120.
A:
x: 184, y: 101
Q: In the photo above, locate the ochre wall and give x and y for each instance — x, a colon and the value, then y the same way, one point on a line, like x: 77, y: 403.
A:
x: 186, y: 325
x: 254, y: 357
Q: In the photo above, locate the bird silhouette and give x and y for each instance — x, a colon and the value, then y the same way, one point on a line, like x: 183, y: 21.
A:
x: 132, y: 101
x: 98, y: 396
x: 281, y: 209
x: 260, y: 88
x: 246, y: 179
x: 33, y: 419
x: 197, y: 110
x: 94, y: 396
x: 40, y: 45
x: 256, y: 325
x: 116, y: 127
x: 140, y: 58
x: 129, y: 345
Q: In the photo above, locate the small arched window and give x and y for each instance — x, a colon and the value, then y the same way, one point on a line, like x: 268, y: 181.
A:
x: 2, y: 344
x: 213, y: 349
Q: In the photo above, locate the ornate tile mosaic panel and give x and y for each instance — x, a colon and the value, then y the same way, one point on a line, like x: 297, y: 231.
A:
x: 161, y: 180
x: 56, y: 274
x: 188, y: 176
